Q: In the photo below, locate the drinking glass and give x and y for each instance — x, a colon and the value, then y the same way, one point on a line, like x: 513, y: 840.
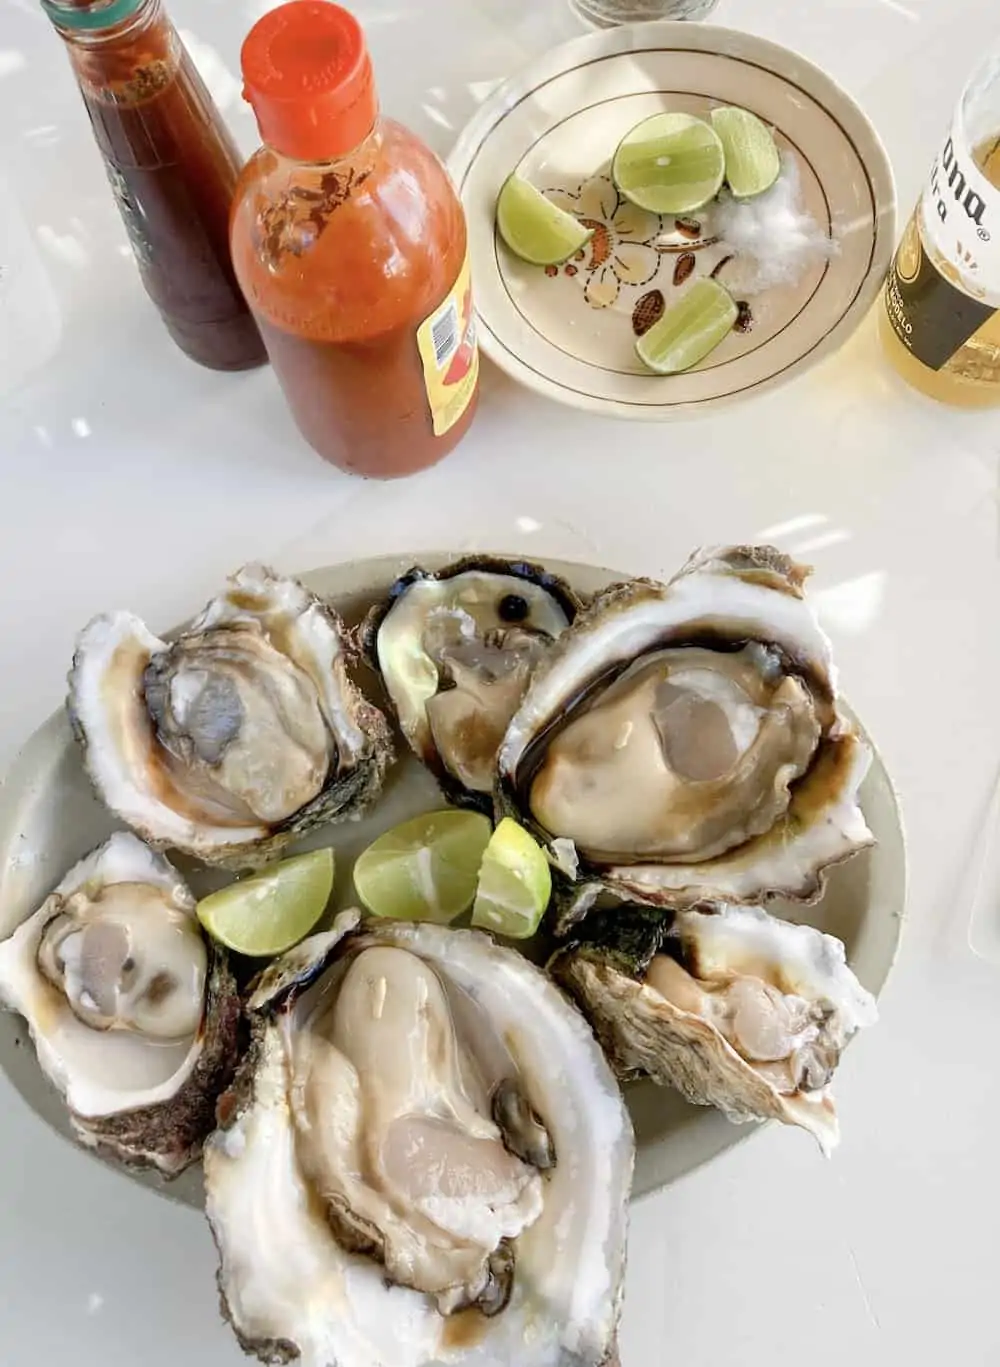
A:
x: 608, y: 13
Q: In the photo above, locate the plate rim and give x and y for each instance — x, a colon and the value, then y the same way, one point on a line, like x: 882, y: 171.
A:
x: 713, y: 40
x: 366, y: 576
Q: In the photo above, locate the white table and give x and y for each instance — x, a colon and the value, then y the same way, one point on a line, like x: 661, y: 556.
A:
x: 130, y: 478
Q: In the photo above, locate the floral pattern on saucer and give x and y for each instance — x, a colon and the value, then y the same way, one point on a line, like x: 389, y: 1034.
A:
x: 623, y: 250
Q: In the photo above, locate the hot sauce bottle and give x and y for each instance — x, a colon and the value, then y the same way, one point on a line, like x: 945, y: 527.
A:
x: 349, y: 242
x: 173, y: 169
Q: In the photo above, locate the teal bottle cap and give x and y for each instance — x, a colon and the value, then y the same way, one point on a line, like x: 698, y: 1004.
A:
x: 96, y: 14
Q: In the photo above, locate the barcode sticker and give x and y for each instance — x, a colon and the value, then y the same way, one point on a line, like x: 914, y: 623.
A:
x: 444, y: 335
x: 446, y: 340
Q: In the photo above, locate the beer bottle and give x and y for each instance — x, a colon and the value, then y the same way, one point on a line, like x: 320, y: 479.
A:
x: 940, y: 315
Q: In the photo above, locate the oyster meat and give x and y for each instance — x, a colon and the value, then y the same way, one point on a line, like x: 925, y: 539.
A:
x: 734, y: 1008
x: 239, y: 735
x: 438, y: 1151
x: 684, y: 741
x: 133, y: 1014
x: 456, y: 650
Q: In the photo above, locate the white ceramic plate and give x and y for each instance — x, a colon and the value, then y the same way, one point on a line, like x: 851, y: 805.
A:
x: 568, y: 332
x: 49, y: 818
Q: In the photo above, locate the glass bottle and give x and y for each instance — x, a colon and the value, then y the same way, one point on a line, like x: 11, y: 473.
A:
x: 350, y: 243
x: 940, y: 316
x: 173, y: 168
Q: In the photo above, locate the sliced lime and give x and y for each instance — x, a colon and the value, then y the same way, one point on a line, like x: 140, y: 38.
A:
x: 752, y: 161
x: 534, y: 228
x: 273, y: 910
x: 515, y: 883
x: 424, y: 869
x: 688, y: 331
x: 670, y: 164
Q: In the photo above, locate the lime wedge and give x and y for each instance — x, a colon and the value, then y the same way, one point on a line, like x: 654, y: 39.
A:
x: 273, y: 910
x: 515, y: 883
x: 670, y: 164
x: 752, y: 161
x: 424, y: 869
x: 534, y: 228
x: 688, y: 331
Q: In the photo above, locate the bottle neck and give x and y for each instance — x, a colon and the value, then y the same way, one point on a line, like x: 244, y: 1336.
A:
x: 978, y: 119
x: 127, y: 62
x: 93, y: 22
x: 352, y: 165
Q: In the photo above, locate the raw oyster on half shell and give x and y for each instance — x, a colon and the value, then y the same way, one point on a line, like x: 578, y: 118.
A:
x: 133, y: 1013
x: 456, y: 650
x: 733, y: 1007
x: 241, y: 734
x: 682, y: 742
x: 433, y: 1142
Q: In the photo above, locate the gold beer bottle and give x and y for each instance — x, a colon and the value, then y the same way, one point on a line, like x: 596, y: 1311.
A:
x: 940, y: 314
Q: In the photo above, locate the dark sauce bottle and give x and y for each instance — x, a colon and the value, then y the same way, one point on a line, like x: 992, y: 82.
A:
x: 173, y: 168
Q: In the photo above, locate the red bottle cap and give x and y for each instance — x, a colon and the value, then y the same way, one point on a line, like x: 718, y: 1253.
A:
x: 308, y: 76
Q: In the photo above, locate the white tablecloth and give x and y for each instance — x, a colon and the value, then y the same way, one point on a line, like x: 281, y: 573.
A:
x: 128, y: 477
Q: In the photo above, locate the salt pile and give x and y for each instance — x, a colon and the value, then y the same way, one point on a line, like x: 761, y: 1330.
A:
x: 774, y: 239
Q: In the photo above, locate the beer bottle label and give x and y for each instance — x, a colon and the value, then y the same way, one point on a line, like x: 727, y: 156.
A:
x: 960, y: 218
x: 944, y: 282
x: 931, y: 317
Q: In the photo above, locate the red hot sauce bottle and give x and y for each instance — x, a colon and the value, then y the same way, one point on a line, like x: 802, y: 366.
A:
x: 173, y: 168
x: 350, y: 244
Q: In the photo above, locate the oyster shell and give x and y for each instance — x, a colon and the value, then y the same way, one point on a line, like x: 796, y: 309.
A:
x: 684, y: 741
x: 241, y: 734
x: 734, y: 1008
x: 133, y: 1014
x: 456, y: 650
x: 439, y: 1154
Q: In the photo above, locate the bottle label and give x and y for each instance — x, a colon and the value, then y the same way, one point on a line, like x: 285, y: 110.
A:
x: 932, y: 317
x: 944, y: 282
x: 960, y: 218
x: 450, y: 354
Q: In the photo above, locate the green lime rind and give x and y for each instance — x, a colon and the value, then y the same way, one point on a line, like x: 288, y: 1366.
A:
x: 689, y: 330
x: 515, y: 883
x: 752, y: 160
x: 535, y: 229
x: 425, y: 869
x: 274, y: 909
x: 671, y: 163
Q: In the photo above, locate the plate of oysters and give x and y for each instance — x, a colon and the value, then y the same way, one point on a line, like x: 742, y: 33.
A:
x: 441, y: 1127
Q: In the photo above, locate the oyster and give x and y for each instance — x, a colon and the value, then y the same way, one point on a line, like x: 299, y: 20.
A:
x: 241, y: 734
x: 734, y: 1008
x: 682, y: 742
x: 438, y: 1151
x: 456, y: 650
x: 133, y: 1014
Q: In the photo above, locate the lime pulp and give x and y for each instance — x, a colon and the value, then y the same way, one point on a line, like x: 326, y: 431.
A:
x: 424, y: 869
x: 535, y: 229
x: 515, y: 883
x: 272, y: 910
x: 688, y: 331
x: 670, y: 163
x: 752, y: 160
